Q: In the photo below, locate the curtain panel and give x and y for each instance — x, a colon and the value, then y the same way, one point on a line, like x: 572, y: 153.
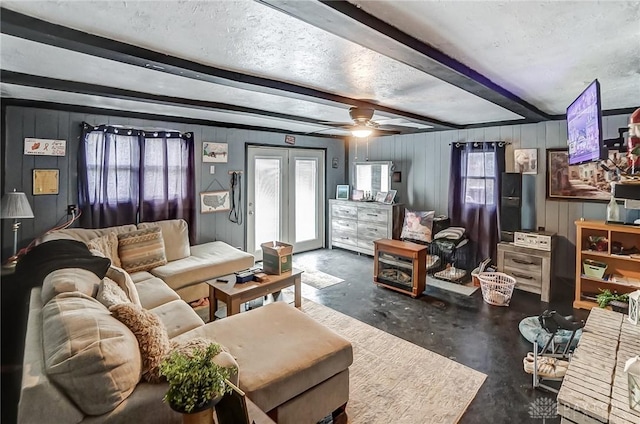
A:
x: 474, y: 192
x: 126, y: 176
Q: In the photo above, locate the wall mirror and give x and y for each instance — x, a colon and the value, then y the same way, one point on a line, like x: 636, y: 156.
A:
x: 372, y: 176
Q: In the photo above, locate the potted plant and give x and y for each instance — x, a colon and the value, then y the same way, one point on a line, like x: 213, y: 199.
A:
x: 195, y: 382
x: 618, y: 302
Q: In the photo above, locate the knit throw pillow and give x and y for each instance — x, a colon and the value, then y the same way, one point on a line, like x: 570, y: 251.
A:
x: 417, y: 225
x: 108, y: 246
x: 141, y: 250
x: 110, y: 293
x: 151, y: 334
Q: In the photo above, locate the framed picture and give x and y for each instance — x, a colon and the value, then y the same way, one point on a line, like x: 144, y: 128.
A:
x: 525, y: 161
x: 46, y: 181
x: 215, y: 152
x: 380, y: 196
x: 214, y: 201
x: 391, y: 194
x: 342, y: 192
x: 357, y: 194
x: 585, y: 183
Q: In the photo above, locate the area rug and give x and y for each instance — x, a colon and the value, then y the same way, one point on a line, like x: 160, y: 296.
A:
x: 317, y: 279
x: 395, y: 381
x: 464, y: 289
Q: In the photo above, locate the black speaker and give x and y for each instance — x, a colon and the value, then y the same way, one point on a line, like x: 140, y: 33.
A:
x: 510, y: 205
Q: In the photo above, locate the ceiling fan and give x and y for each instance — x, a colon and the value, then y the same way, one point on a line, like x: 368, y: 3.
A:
x: 364, y: 126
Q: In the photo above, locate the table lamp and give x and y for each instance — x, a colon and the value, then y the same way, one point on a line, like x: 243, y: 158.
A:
x: 15, y: 205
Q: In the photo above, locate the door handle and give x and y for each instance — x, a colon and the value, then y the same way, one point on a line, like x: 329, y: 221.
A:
x: 250, y: 212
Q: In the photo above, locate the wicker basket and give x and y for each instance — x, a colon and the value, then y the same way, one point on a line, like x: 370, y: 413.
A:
x: 497, y: 287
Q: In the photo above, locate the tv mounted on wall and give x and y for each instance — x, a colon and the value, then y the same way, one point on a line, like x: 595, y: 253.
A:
x: 584, y: 127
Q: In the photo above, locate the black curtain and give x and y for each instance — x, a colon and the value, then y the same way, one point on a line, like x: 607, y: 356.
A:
x: 474, y: 192
x: 126, y: 176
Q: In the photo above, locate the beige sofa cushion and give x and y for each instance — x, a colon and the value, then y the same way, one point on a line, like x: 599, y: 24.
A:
x: 208, y: 260
x: 175, y: 233
x: 281, y: 351
x: 69, y: 280
x: 141, y: 250
x: 85, y: 234
x: 178, y: 317
x: 108, y: 246
x: 90, y: 354
x: 154, y: 292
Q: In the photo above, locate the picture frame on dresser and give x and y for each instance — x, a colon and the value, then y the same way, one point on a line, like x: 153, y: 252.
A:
x: 342, y: 192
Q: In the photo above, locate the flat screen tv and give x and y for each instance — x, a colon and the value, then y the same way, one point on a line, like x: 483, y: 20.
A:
x: 584, y: 127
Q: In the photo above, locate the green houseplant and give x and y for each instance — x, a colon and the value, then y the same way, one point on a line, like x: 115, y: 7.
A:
x: 618, y: 302
x: 194, y: 379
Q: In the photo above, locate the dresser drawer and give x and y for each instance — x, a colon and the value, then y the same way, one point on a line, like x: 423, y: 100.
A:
x: 368, y: 232
x: 373, y: 215
x: 344, y: 211
x: 525, y: 280
x: 344, y: 237
x: 344, y: 225
x: 525, y: 264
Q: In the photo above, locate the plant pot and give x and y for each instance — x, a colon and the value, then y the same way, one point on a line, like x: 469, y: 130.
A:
x: 202, y: 414
x: 618, y: 306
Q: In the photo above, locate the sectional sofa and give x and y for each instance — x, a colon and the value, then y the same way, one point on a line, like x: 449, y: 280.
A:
x: 83, y: 365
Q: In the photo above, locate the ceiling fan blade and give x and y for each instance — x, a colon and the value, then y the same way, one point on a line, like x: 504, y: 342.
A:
x: 336, y: 124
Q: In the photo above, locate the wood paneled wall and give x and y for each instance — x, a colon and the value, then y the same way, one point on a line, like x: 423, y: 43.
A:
x: 424, y: 160
x: 50, y: 210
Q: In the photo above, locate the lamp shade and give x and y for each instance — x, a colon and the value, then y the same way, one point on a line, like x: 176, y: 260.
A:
x: 15, y: 205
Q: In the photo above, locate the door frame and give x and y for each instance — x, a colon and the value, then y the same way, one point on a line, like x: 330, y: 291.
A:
x: 322, y: 214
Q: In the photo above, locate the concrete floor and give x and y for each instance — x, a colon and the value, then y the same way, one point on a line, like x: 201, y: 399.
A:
x: 461, y: 328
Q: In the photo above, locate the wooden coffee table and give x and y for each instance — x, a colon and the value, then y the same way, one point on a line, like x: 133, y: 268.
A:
x: 235, y: 294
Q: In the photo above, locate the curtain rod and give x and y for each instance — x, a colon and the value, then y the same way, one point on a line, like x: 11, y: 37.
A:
x: 460, y: 143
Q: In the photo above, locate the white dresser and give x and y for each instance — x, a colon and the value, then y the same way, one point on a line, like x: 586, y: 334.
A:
x: 355, y: 225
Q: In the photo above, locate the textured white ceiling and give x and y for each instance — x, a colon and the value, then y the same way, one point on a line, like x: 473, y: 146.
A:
x: 545, y: 52
x: 252, y: 38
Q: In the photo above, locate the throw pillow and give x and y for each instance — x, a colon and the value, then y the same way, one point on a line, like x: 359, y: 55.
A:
x: 151, y: 334
x: 417, y: 225
x: 110, y: 293
x: 141, y: 250
x: 123, y: 279
x: 108, y: 246
x: 88, y: 353
x: 175, y: 233
x: 451, y: 233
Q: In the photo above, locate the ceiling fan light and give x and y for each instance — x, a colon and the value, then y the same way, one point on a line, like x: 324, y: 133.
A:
x: 361, y: 132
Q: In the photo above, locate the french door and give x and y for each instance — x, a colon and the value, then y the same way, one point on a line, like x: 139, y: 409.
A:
x: 285, y: 198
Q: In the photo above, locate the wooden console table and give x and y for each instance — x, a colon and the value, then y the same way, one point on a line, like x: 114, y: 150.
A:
x: 594, y: 390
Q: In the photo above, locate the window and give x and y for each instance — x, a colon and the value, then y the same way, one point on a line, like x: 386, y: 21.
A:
x: 128, y: 176
x: 479, y: 178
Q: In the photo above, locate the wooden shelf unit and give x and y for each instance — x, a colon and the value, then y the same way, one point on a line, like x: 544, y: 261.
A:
x: 405, y: 259
x: 626, y: 266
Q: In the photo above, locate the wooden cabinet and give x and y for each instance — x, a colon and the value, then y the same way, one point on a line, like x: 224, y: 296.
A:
x: 355, y: 225
x: 530, y: 267
x: 601, y: 242
x: 400, y: 266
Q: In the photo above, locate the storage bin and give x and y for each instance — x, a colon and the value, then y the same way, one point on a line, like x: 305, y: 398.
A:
x: 593, y: 268
x: 276, y: 257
